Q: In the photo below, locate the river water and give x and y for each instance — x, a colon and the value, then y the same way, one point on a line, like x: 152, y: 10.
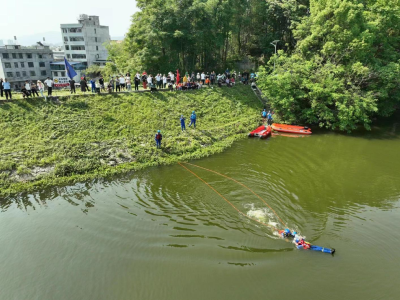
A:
x: 162, y: 233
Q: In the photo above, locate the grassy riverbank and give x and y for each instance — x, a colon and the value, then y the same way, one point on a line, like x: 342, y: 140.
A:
x: 79, y: 138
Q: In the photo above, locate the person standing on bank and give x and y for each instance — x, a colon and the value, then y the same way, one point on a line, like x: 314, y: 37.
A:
x: 101, y: 82
x: 122, y: 82
x: 28, y: 87
x: 49, y: 84
x: 72, y: 86
x: 1, y: 87
x: 7, y: 88
x: 183, y: 127
x: 128, y: 83
x: 193, y: 118
x: 137, y: 82
x: 83, y: 85
x: 117, y: 85
x: 144, y: 80
x: 93, y: 85
x: 34, y: 89
x: 40, y: 87
x: 158, y: 139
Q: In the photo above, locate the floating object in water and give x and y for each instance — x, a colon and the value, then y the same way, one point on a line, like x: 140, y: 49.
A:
x: 291, y: 128
x: 262, y: 132
x: 318, y: 248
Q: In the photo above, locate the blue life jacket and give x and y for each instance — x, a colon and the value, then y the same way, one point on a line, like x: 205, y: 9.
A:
x: 264, y: 114
x: 193, y: 117
x: 182, y: 121
x: 270, y: 116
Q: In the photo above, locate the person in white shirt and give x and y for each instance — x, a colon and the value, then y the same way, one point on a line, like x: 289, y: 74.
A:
x: 172, y: 77
x: 198, y: 77
x: 203, y: 78
x: 49, y: 84
x: 27, y: 86
x: 40, y: 87
x: 150, y: 80
x: 164, y: 79
x: 158, y: 80
x: 122, y: 82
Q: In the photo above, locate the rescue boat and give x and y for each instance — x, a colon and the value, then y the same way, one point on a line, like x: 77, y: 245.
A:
x: 291, y: 128
x: 261, y: 132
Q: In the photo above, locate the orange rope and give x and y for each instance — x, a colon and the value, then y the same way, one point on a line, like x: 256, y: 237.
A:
x: 227, y: 199
x: 283, y: 223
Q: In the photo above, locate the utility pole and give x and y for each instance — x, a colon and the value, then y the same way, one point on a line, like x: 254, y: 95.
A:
x: 275, y: 43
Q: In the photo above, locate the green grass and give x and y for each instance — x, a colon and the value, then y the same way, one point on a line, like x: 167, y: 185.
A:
x: 45, y: 143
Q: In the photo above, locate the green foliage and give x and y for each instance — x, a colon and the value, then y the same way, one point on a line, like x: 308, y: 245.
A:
x: 204, y: 34
x: 100, y: 135
x: 345, y: 67
x: 93, y: 71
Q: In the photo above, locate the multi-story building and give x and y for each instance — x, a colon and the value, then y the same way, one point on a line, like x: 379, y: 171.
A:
x: 85, y: 42
x: 19, y: 64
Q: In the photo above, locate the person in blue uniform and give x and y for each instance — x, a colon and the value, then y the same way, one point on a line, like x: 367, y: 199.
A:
x: 158, y: 139
x: 183, y: 123
x: 270, y: 119
x: 264, y: 115
x: 193, y: 119
x: 93, y: 84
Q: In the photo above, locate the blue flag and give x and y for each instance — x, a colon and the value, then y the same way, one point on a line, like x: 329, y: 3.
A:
x: 70, y: 70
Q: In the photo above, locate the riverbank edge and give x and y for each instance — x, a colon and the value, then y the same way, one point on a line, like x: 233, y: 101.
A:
x: 107, y: 172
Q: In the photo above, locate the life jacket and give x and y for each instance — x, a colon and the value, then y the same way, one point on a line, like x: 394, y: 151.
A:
x: 158, y: 136
x: 264, y: 114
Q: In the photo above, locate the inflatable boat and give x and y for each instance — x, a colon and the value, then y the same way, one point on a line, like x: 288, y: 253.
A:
x: 261, y: 132
x: 291, y: 128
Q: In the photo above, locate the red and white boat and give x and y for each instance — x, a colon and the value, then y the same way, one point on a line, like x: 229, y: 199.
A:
x: 291, y: 128
x: 261, y: 132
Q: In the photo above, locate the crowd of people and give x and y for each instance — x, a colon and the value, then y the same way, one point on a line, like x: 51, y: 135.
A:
x: 121, y: 83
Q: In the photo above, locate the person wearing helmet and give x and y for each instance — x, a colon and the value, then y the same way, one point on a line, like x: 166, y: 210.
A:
x: 287, y: 233
x: 264, y: 115
x: 193, y: 119
x: 158, y: 139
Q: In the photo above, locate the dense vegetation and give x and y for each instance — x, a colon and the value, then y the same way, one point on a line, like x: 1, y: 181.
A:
x: 345, y: 67
x: 204, y: 34
x: 45, y: 143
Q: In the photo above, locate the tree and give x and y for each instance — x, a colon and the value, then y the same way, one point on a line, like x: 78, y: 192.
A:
x: 345, y: 66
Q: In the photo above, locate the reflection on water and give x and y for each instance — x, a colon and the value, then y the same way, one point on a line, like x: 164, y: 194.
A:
x: 114, y: 239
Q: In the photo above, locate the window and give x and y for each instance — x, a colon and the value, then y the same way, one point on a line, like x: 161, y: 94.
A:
x: 77, y: 47
x: 15, y: 65
x: 64, y: 30
x: 95, y: 31
x: 42, y: 64
x: 18, y: 74
x: 43, y: 73
x: 97, y: 48
x: 32, y: 73
x: 76, y: 39
x: 66, y: 47
x: 22, y: 65
x: 5, y: 55
x: 23, y: 73
x: 20, y: 55
x: 68, y: 56
x: 75, y: 30
x: 29, y: 55
x: 40, y: 55
x: 62, y: 74
x: 95, y: 39
x: 9, y: 74
x: 65, y: 39
x: 78, y: 55
x: 55, y: 74
x: 14, y: 55
x: 7, y: 65
x: 30, y: 64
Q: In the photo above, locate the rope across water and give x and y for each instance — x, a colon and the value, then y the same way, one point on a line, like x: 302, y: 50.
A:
x: 268, y: 225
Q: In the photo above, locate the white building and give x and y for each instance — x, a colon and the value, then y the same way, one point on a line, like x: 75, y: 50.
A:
x: 19, y: 64
x: 84, y: 42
